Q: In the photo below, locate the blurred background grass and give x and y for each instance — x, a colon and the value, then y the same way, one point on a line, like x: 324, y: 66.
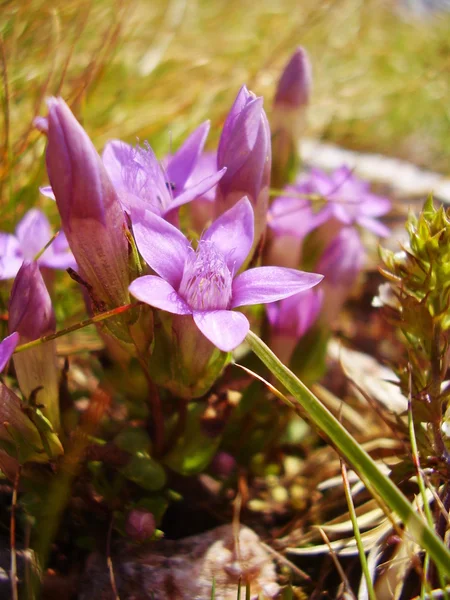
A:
x: 154, y: 70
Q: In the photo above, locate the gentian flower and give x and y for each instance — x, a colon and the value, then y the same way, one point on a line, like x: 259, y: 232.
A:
x: 31, y: 316
x: 141, y: 181
x: 91, y: 213
x: 204, y: 282
x: 290, y: 319
x: 201, y: 209
x: 348, y: 201
x: 7, y: 347
x: 289, y: 116
x: 245, y: 150
x: 294, y: 86
x: 341, y: 263
x: 94, y: 223
x: 32, y: 233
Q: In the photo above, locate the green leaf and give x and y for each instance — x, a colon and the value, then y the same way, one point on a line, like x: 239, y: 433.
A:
x: 193, y: 450
x: 377, y: 483
x: 145, y: 471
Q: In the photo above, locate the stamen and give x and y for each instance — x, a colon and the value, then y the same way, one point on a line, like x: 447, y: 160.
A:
x: 207, y: 281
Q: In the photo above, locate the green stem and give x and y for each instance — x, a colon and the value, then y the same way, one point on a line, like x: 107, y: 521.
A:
x: 376, y: 482
x: 97, y: 319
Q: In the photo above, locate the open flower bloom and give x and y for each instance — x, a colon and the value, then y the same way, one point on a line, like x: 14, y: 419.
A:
x: 348, y: 200
x: 7, y: 347
x: 32, y: 233
x: 141, y: 181
x: 204, y: 282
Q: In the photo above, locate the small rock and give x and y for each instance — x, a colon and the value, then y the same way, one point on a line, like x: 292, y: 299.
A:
x: 185, y: 569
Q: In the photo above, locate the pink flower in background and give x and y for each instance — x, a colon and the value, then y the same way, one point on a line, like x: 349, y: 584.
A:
x: 293, y: 316
x: 205, y: 282
x: 347, y: 199
x: 32, y: 233
x: 343, y: 258
x: 290, y: 319
x: 294, y: 86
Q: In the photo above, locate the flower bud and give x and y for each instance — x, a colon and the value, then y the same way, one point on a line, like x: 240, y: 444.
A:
x: 94, y: 224
x: 140, y: 525
x: 245, y: 150
x: 31, y: 316
x: 90, y: 210
x: 20, y: 438
x: 341, y: 264
x: 289, y: 116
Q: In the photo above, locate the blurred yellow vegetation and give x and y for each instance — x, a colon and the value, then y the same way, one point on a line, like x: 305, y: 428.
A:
x: 138, y: 69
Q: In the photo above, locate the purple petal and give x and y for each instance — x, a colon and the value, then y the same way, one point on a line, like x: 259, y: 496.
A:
x: 375, y: 206
x: 243, y: 98
x: 11, y: 257
x: 294, y: 86
x: 197, y: 190
x: 163, y: 246
x: 47, y: 191
x: 224, y: 328
x: 242, y: 139
x: 374, y: 226
x: 116, y: 155
x: 295, y: 216
x: 33, y: 233
x: 268, y: 284
x: 7, y: 347
x: 57, y: 260
x: 182, y: 163
x: 232, y: 233
x: 159, y: 293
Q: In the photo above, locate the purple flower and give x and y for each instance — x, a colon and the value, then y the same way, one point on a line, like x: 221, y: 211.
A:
x: 141, y: 181
x: 91, y: 214
x: 140, y: 524
x: 340, y: 263
x: 293, y: 316
x: 343, y: 258
x: 288, y: 118
x: 32, y: 234
x: 201, y: 210
x: 31, y: 315
x: 290, y: 319
x: 7, y: 347
x: 348, y: 201
x: 292, y: 213
x: 294, y: 86
x: 245, y: 150
x: 204, y: 282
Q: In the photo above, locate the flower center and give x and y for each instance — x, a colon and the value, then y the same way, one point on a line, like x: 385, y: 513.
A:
x: 144, y: 177
x: 206, y: 282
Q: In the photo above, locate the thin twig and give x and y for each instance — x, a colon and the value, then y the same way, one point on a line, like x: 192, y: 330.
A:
x: 112, y: 578
x: 12, y: 538
x: 97, y: 319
